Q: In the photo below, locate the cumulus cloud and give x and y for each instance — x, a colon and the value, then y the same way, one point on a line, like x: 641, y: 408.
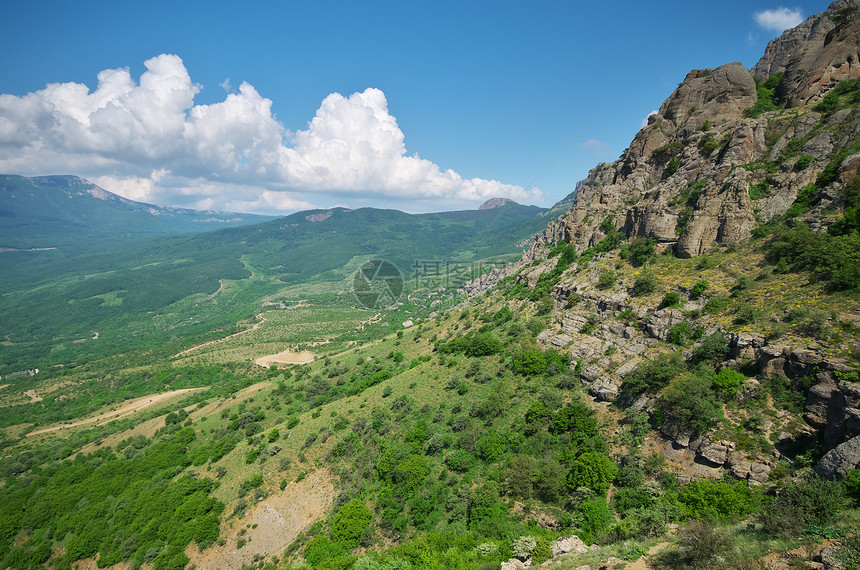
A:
x: 148, y: 140
x: 644, y: 122
x: 596, y: 147
x: 778, y: 19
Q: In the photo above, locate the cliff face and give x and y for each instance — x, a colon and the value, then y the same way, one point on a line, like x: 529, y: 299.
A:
x: 708, y: 169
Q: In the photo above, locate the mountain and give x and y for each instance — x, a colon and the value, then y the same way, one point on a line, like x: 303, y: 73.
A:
x: 731, y: 149
x: 52, y: 211
x: 668, y: 377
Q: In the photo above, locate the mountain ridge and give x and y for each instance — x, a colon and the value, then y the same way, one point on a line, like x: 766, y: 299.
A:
x: 48, y: 211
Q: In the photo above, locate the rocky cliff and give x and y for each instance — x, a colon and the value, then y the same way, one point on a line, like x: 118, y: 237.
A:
x: 726, y: 152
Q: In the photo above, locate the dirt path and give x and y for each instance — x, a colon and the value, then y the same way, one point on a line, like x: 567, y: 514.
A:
x: 187, y: 351
x: 271, y: 525
x: 130, y: 407
x: 644, y: 562
x: 286, y: 357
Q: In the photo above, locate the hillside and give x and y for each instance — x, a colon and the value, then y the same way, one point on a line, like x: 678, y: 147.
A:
x: 668, y: 377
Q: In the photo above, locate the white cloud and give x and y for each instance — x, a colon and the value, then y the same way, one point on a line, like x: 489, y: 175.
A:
x: 596, y: 147
x: 644, y: 122
x: 149, y: 141
x: 779, y: 19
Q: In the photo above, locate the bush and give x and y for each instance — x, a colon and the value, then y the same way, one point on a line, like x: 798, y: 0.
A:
x: 719, y: 500
x: 671, y: 299
x: 714, y: 348
x: 593, y: 470
x: 698, y: 289
x: 652, y: 375
x: 645, y: 284
x: 680, y: 334
x: 704, y: 545
x: 350, y: 523
x: 802, y: 503
x: 691, y: 402
x: 641, y: 249
x: 596, y: 518
x: 729, y: 381
x: 607, y: 279
x: 745, y: 314
x: 522, y: 547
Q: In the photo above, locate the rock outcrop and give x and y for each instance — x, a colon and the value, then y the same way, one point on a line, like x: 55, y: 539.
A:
x: 705, y: 171
x: 838, y: 461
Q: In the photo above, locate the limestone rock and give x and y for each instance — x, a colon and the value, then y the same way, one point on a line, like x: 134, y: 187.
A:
x: 604, y: 390
x: 516, y: 564
x: 716, y: 452
x: 567, y: 544
x: 829, y: 557
x: 838, y: 461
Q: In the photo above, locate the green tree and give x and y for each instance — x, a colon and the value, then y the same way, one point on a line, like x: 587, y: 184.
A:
x: 593, y: 470
x: 350, y: 523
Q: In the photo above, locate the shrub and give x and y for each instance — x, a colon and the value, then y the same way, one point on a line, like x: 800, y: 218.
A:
x: 625, y: 500
x: 680, y: 334
x: 803, y: 162
x: 460, y: 460
x: 522, y: 547
x: 652, y: 375
x: 596, y: 518
x: 714, y: 348
x: 729, y: 381
x: 671, y: 167
x: 590, y: 324
x: 698, y: 289
x: 529, y: 362
x: 350, y: 523
x: 715, y: 305
x: 704, y: 545
x: 607, y: 279
x: 645, y: 284
x: 593, y: 470
x: 691, y: 402
x: 805, y: 502
x: 745, y: 314
x: 671, y: 299
x: 721, y: 500
x: 641, y: 249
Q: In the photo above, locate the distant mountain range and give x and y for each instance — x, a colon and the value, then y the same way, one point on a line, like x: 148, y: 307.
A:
x: 52, y: 211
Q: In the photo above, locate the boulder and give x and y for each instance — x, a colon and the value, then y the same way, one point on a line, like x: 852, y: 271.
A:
x: 829, y: 557
x: 604, y: 390
x: 715, y: 452
x: 838, y: 461
x: 567, y: 544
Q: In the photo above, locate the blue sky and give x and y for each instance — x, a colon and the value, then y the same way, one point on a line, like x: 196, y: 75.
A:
x: 277, y: 106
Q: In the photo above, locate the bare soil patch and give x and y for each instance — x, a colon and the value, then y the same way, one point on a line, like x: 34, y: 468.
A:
x: 34, y: 397
x: 278, y: 519
x: 286, y: 357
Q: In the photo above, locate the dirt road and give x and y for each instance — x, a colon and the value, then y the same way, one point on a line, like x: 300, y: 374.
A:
x: 128, y: 408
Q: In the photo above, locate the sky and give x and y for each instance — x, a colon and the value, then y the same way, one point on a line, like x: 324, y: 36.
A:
x: 274, y: 107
